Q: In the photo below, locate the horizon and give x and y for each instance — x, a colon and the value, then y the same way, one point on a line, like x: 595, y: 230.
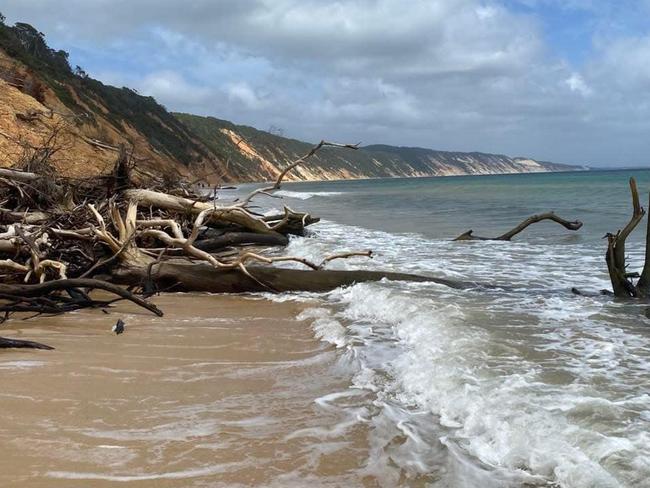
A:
x: 345, y: 80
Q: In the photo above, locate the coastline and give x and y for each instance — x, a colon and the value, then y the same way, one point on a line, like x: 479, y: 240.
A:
x: 289, y: 179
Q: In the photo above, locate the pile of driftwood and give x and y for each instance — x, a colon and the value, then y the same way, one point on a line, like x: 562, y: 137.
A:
x: 61, y: 238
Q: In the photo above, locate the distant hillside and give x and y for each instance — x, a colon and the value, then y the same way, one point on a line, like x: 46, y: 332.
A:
x: 51, y: 109
x: 256, y: 154
x: 37, y: 79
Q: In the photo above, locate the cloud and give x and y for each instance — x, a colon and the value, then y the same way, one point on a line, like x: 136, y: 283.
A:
x: 577, y: 84
x: 450, y: 74
x: 243, y: 93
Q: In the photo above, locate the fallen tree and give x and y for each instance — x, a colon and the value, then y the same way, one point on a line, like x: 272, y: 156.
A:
x: 622, y: 280
x: 569, y: 225
x: 62, y: 238
x: 182, y: 276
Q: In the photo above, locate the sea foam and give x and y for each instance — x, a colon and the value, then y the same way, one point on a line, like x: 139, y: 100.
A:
x: 524, y: 384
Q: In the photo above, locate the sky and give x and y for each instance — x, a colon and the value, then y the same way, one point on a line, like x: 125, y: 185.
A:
x: 557, y: 80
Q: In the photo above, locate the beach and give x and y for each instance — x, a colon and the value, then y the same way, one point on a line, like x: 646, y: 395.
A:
x: 222, y: 391
x: 516, y: 382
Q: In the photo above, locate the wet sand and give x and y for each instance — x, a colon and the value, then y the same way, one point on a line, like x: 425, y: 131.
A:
x: 222, y: 391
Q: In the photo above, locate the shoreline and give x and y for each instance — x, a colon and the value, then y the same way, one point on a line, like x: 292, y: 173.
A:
x: 370, y: 178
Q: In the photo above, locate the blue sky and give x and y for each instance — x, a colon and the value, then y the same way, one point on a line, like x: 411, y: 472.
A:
x: 564, y: 81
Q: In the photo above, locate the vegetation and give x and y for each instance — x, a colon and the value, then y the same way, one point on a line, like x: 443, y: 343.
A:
x: 370, y: 161
x: 87, y: 97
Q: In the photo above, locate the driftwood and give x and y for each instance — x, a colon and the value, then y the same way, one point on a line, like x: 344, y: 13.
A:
x: 60, y: 238
x: 45, y: 297
x: 24, y: 176
x: 278, y: 182
x: 137, y: 236
x: 570, y: 225
x: 622, y: 280
x: 229, y: 239
x: 6, y: 343
x: 174, y: 276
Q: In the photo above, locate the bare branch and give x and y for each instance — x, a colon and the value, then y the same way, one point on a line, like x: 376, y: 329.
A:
x: 294, y: 164
x: 573, y: 225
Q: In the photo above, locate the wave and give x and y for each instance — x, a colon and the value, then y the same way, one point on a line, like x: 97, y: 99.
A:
x: 530, y: 386
x: 306, y: 195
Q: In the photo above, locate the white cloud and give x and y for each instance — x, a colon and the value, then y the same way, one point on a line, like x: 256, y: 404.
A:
x: 242, y: 92
x: 577, y: 84
x: 171, y: 87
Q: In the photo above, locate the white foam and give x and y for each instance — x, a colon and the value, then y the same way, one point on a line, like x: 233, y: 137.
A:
x: 170, y: 475
x: 25, y: 364
x: 325, y: 327
x: 303, y: 195
x: 501, y: 415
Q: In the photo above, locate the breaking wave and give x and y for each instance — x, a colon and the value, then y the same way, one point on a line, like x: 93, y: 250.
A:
x: 529, y: 387
x: 299, y: 195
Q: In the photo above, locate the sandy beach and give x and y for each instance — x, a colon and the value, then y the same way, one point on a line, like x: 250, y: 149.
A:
x: 222, y: 391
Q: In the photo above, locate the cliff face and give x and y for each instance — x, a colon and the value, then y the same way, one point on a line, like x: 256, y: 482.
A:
x: 42, y: 95
x: 254, y: 154
x: 46, y: 107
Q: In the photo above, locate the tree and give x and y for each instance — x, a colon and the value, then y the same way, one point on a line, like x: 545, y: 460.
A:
x: 79, y: 71
x: 275, y: 130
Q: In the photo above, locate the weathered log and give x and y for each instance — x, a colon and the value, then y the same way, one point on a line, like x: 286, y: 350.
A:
x: 240, y: 238
x: 229, y: 215
x: 6, y: 343
x: 20, y: 291
x: 291, y: 222
x: 177, y: 276
x: 570, y: 225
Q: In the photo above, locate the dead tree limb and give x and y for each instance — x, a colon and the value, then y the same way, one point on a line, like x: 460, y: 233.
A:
x: 643, y: 285
x: 234, y: 215
x: 17, y: 175
x: 278, y: 182
x: 570, y: 225
x: 230, y: 239
x: 615, y: 257
x: 6, y: 343
x: 18, y: 294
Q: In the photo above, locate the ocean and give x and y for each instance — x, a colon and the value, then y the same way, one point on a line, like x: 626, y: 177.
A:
x: 516, y: 383
x: 521, y: 384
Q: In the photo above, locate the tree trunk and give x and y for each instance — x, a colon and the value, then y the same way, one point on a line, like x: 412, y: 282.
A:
x: 179, y: 276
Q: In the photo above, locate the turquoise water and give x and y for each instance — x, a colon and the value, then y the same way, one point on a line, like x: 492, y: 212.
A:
x: 444, y: 207
x: 524, y: 384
